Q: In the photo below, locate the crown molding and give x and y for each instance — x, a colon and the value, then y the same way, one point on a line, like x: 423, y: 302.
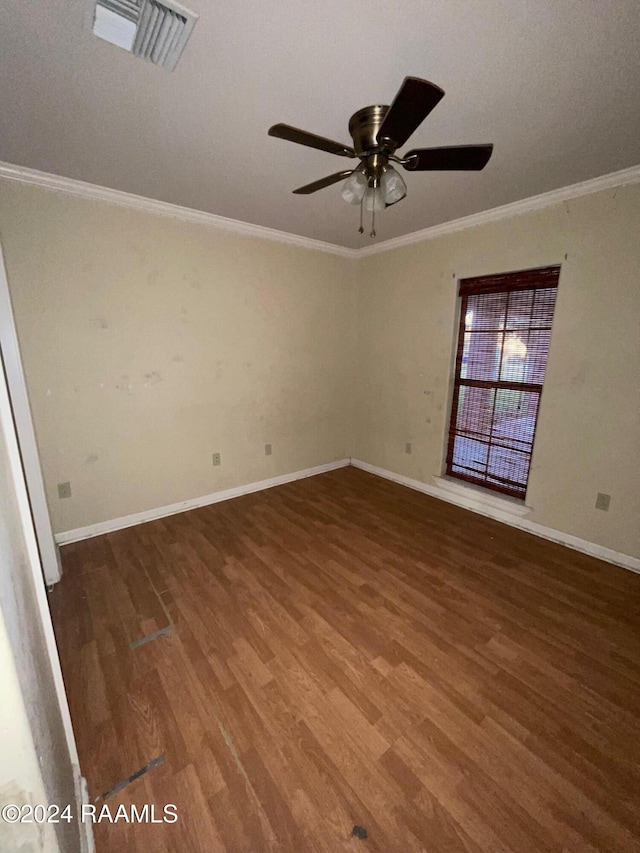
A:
x: 515, y: 208
x: 23, y: 175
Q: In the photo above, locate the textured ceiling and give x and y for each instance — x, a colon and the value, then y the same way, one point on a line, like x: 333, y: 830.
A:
x: 554, y: 84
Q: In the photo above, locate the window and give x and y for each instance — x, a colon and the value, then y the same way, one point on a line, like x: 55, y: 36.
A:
x: 505, y: 329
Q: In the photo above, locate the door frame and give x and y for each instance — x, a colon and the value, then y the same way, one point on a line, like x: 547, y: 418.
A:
x: 10, y: 350
x: 33, y: 565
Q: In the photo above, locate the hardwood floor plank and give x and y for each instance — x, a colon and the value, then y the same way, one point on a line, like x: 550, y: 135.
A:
x: 347, y: 652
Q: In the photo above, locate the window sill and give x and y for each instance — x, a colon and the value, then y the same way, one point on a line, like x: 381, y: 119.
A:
x: 475, y: 497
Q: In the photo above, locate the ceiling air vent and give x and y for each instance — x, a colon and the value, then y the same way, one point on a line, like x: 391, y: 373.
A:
x: 152, y: 30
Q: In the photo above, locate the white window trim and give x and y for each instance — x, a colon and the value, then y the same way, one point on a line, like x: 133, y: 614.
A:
x: 478, y: 498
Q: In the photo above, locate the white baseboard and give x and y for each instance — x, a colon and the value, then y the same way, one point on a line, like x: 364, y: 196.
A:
x: 161, y: 512
x: 507, y: 516
x: 87, y: 843
x: 511, y: 515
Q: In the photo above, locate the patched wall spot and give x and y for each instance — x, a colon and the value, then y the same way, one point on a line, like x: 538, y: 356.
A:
x: 152, y: 378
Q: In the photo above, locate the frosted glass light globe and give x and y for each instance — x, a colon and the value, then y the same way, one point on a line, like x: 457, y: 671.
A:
x: 374, y: 200
x: 354, y: 188
x: 393, y: 186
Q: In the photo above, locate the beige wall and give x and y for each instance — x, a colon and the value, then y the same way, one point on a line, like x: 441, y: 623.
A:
x: 588, y: 437
x: 149, y: 344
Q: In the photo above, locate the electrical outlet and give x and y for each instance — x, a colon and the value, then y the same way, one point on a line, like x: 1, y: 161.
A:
x: 64, y: 490
x: 603, y: 501
x: 216, y: 458
x: 407, y: 447
x: 267, y: 450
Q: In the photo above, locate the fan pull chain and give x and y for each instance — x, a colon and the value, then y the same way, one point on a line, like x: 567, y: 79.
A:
x: 361, y: 229
x: 373, y: 216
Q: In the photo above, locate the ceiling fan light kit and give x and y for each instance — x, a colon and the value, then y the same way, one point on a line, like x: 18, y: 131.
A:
x: 377, y: 132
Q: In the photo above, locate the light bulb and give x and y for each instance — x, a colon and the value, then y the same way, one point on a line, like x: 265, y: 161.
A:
x: 354, y: 187
x: 393, y: 187
x: 374, y: 200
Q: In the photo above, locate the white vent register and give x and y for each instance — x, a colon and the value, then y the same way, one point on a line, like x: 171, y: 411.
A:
x: 152, y: 30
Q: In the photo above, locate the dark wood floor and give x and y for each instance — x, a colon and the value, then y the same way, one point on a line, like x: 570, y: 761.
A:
x: 347, y: 652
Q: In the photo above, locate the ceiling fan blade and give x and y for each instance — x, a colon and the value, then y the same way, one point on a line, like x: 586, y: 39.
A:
x: 302, y: 137
x: 323, y: 182
x: 449, y: 158
x: 413, y: 103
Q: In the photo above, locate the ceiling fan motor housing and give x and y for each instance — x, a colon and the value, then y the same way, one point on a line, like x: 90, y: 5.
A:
x: 364, y: 126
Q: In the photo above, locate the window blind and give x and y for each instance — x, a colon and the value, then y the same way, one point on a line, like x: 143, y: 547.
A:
x: 503, y: 342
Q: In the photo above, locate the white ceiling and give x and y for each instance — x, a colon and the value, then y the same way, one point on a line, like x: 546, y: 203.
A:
x: 554, y: 84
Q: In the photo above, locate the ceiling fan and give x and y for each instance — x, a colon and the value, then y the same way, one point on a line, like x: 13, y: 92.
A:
x: 377, y: 132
